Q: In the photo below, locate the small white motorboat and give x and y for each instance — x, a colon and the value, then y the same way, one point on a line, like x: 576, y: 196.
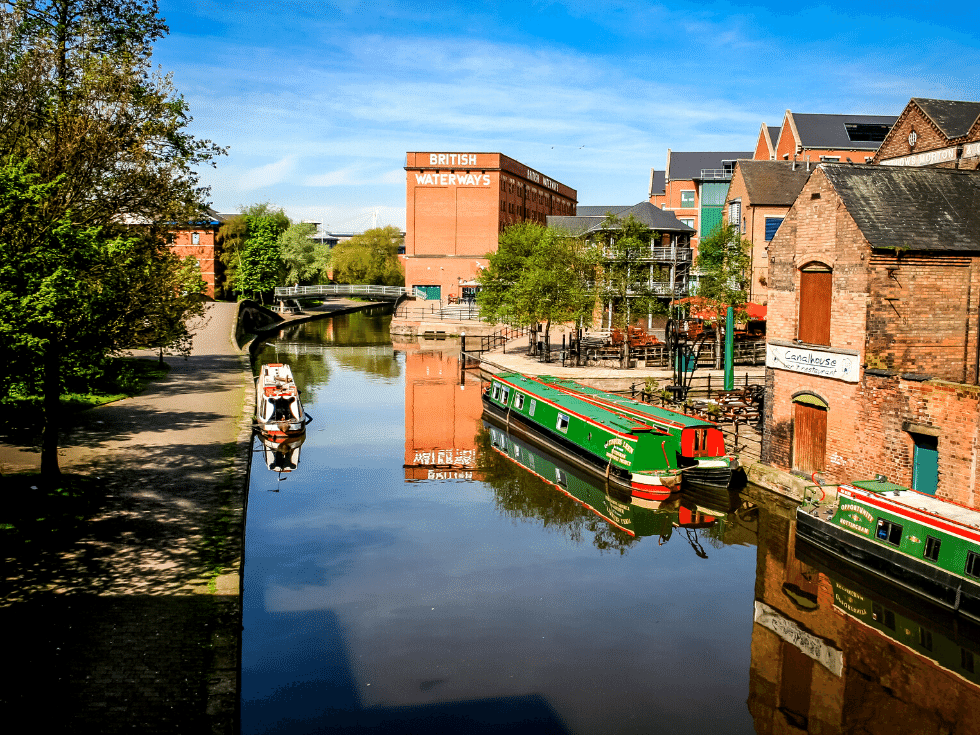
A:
x: 278, y: 411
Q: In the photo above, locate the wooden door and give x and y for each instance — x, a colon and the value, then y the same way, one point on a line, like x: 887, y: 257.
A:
x: 809, y: 437
x: 816, y: 294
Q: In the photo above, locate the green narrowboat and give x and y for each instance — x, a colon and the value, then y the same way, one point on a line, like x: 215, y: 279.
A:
x: 634, y: 516
x: 920, y: 542
x: 644, y: 448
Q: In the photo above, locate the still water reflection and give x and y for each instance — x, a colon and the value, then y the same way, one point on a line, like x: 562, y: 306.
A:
x: 419, y: 570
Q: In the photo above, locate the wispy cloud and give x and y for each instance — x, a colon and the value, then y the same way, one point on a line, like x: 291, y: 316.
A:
x: 267, y: 175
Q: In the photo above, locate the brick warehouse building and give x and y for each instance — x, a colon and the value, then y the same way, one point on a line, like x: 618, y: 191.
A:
x: 197, y: 239
x: 456, y: 206
x: 873, y: 361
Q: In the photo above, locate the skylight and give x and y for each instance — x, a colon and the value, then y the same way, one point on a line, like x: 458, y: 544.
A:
x: 873, y: 132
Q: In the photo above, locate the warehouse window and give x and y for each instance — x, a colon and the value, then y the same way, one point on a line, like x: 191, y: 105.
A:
x: 687, y: 198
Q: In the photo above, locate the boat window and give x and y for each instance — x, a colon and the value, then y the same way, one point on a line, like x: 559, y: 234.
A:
x: 560, y: 477
x: 504, y: 395
x: 932, y: 548
x: 519, y: 401
x: 888, y: 531
x: 966, y: 659
x: 925, y: 639
x: 883, y: 616
x: 562, y: 424
x: 973, y: 564
x: 496, y: 391
x: 534, y: 404
x: 517, y: 452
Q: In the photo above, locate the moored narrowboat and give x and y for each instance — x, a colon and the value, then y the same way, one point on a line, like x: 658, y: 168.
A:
x: 278, y: 411
x: 920, y: 542
x: 638, y: 446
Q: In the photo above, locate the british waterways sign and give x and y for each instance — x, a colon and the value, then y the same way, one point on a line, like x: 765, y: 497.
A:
x: 824, y: 363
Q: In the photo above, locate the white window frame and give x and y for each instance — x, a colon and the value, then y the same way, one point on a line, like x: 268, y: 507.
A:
x: 694, y: 199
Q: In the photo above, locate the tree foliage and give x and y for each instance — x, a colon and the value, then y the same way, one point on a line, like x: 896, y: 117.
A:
x: 261, y: 267
x: 537, y: 275
x: 97, y: 164
x: 627, y: 275
x: 370, y: 258
x: 305, y: 260
x: 723, y: 262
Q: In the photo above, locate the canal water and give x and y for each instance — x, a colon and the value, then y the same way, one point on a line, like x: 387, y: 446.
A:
x: 412, y: 568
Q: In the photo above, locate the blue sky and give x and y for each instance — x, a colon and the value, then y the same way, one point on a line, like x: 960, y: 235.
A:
x: 319, y: 101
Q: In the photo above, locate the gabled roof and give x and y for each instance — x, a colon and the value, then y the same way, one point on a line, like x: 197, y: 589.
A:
x: 686, y: 165
x: 831, y: 131
x: 648, y: 214
x: 923, y: 209
x: 954, y: 119
x: 773, y: 183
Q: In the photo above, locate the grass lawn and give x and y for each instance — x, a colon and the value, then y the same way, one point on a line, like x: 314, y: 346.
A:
x: 20, y: 415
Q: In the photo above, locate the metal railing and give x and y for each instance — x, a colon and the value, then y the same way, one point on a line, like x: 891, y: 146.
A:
x: 433, y: 310
x: 341, y: 289
x: 750, y: 352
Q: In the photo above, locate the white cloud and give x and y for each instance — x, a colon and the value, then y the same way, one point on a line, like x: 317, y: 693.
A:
x: 267, y: 175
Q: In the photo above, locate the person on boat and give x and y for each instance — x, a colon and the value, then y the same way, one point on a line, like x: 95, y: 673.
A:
x: 281, y: 410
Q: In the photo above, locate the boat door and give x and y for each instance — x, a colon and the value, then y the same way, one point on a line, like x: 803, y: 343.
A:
x: 925, y: 463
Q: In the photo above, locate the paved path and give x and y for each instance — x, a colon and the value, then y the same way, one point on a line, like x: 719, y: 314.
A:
x: 134, y: 626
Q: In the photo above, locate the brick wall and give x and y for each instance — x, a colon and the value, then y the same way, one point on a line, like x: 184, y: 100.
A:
x: 923, y: 315
x: 204, y: 252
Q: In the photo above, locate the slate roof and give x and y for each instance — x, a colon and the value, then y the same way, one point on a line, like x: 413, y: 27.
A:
x: 773, y: 183
x: 645, y: 212
x: 594, y: 211
x: 684, y: 165
x: 658, y: 182
x: 922, y: 209
x: 955, y: 119
x: 828, y: 131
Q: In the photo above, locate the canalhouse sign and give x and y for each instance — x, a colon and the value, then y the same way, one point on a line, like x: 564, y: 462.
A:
x: 823, y: 363
x: 827, y: 656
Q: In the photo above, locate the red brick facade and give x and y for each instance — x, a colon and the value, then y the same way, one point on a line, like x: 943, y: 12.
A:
x: 456, y: 206
x: 203, y: 250
x: 906, y: 322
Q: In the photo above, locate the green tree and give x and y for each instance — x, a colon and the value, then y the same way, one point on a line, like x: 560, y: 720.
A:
x: 370, y: 258
x: 251, y: 250
x: 627, y: 276
x: 538, y: 275
x: 261, y: 268
x: 94, y: 145
x: 304, y: 258
x: 723, y: 263
x: 229, y: 243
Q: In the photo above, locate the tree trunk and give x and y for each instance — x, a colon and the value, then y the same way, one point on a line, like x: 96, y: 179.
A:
x: 51, y: 401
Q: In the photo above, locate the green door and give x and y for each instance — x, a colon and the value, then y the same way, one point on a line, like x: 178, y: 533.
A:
x: 925, y: 463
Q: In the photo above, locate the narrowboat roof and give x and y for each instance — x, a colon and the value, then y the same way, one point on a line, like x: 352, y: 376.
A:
x: 900, y: 495
x: 617, y: 412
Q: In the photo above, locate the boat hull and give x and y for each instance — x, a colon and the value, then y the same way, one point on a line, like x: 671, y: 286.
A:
x: 649, y: 486
x: 936, y: 584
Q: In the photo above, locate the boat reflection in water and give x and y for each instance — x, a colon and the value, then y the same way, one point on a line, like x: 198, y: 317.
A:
x: 282, y: 454
x: 837, y: 650
x: 510, y: 464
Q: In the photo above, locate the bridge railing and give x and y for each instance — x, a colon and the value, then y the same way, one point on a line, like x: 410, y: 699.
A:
x: 340, y: 289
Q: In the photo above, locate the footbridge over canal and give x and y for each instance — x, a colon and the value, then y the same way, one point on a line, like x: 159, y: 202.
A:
x: 377, y: 293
